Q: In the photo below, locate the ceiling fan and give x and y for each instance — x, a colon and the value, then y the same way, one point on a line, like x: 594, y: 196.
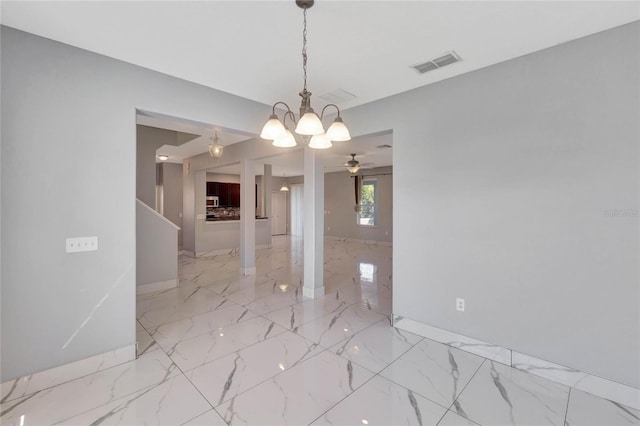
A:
x: 354, y: 165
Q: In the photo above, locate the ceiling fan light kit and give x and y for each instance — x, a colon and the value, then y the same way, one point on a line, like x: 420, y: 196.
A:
x: 353, y: 165
x: 309, y: 124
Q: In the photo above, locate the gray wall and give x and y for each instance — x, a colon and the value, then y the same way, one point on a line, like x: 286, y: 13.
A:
x: 503, y: 179
x: 87, y: 180
x: 222, y: 177
x: 339, y: 200
x: 172, y: 195
x: 156, y: 247
x: 148, y: 140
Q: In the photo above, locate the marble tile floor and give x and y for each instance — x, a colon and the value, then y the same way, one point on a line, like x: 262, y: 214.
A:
x: 224, y: 349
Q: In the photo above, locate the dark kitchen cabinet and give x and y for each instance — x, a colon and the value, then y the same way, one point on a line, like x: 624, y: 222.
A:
x: 223, y: 194
x: 234, y: 194
x: 212, y: 189
x: 228, y: 193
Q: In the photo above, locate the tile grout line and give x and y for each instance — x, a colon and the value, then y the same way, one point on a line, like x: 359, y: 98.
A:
x: 73, y: 379
x: 463, y: 389
x: 141, y: 390
x: 374, y: 376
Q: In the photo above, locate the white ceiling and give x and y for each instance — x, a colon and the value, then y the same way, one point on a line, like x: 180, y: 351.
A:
x: 252, y: 49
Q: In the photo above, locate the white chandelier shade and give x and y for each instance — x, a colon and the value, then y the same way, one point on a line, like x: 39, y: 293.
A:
x: 309, y: 123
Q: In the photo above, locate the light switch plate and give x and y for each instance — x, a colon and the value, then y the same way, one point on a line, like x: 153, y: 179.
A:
x: 76, y: 245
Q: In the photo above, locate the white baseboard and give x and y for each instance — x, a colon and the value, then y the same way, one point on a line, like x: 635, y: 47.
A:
x: 313, y: 293
x: 157, y: 286
x: 35, y: 382
x: 248, y: 271
x: 605, y: 388
x: 477, y: 347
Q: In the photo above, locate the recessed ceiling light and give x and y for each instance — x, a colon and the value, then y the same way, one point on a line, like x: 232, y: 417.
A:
x: 163, y: 157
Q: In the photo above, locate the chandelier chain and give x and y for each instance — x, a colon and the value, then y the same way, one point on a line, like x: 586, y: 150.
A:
x: 304, y: 48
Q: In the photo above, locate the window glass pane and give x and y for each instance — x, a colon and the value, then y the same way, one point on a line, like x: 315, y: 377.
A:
x: 368, y: 203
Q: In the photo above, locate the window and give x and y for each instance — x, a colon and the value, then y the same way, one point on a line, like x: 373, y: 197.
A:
x: 368, y: 214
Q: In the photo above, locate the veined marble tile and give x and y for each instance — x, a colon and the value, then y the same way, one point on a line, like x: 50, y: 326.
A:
x: 194, y: 352
x: 381, y: 402
x: 168, y: 297
x: 199, y: 301
x: 228, y: 376
x: 215, y: 272
x: 436, y: 371
x: 589, y: 383
x: 331, y: 329
x: 337, y: 280
x: 376, y: 346
x: 239, y: 283
x: 144, y: 340
x: 589, y: 410
x: 252, y: 293
x: 477, y: 347
x: 453, y: 419
x: 14, y: 389
x: 503, y: 395
x: 167, y: 335
x: 170, y: 403
x: 69, y: 399
x: 380, y: 301
x: 299, y: 395
x: 293, y: 316
x: 210, y: 418
x: 274, y: 301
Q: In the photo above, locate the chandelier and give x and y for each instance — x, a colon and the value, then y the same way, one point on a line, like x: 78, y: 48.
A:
x: 309, y: 124
x: 215, y: 149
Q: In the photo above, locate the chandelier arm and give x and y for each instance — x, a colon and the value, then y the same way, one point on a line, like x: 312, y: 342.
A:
x: 273, y: 109
x: 326, y: 106
x: 291, y: 114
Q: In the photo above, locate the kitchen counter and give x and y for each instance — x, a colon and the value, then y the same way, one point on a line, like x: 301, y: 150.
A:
x: 230, y: 219
x: 216, y: 235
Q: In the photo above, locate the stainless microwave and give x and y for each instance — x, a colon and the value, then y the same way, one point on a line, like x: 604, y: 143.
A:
x: 213, y: 201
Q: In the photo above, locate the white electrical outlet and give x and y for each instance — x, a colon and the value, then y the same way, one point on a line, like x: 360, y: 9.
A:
x: 76, y: 245
x: 460, y: 305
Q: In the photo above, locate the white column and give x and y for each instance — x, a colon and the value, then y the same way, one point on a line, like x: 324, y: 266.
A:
x: 266, y: 197
x: 313, y: 223
x: 247, y: 218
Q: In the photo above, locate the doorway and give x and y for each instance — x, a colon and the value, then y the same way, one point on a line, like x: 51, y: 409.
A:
x: 297, y: 210
x: 278, y: 213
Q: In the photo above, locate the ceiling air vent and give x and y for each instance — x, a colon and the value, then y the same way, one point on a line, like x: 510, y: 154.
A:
x: 338, y: 96
x: 435, y: 63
